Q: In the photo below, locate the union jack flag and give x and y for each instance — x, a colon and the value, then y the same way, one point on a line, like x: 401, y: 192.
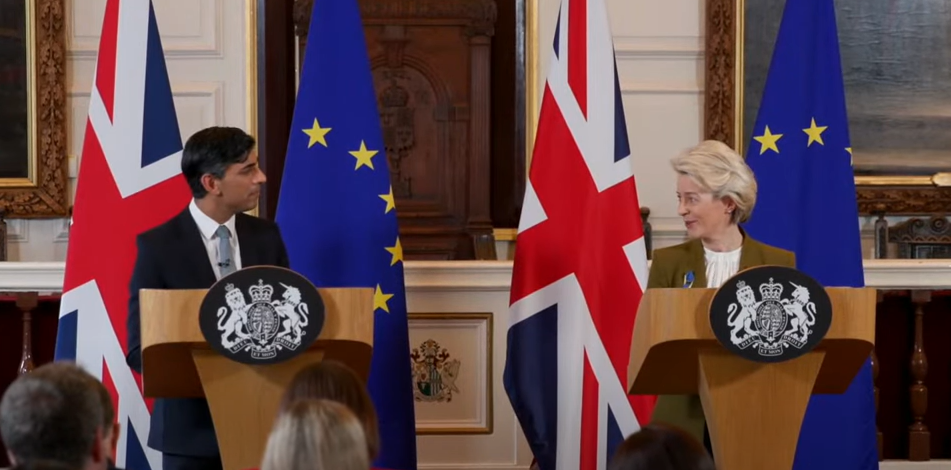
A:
x: 129, y: 181
x: 580, y: 260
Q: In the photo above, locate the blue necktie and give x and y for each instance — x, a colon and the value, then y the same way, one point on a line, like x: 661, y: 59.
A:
x: 226, y: 262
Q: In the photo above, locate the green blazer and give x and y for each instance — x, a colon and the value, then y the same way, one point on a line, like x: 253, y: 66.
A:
x: 669, y: 269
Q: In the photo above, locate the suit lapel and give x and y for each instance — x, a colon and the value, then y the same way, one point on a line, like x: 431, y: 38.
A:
x: 249, y: 256
x: 750, y: 254
x: 193, y: 247
x: 697, y: 264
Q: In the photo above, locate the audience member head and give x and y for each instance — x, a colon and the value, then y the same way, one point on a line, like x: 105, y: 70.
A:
x: 110, y: 427
x: 53, y: 414
x: 715, y: 187
x: 335, y: 381
x: 221, y: 168
x: 660, y: 447
x: 316, y: 434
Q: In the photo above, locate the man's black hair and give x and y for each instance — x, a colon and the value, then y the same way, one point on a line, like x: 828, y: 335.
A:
x: 212, y: 151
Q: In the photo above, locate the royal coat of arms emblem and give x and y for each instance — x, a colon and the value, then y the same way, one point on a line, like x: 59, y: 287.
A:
x: 434, y: 373
x: 772, y: 327
x: 252, y: 325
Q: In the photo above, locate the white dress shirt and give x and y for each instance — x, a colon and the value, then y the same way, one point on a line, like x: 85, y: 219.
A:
x: 207, y: 226
x: 721, y: 266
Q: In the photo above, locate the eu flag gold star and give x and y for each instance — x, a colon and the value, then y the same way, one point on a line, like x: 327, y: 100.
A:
x: 379, y: 300
x: 815, y: 133
x: 768, y: 141
x: 851, y: 157
x: 390, y: 201
x: 317, y: 134
x: 364, y: 156
x: 397, y: 251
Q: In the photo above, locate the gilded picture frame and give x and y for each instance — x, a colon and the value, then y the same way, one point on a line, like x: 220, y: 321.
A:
x: 33, y: 36
x: 891, y: 178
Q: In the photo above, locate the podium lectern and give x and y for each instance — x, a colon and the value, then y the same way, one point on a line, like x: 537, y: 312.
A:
x: 754, y: 410
x: 177, y: 362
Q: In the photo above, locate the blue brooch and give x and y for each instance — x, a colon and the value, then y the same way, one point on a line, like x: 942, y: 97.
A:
x: 688, y: 279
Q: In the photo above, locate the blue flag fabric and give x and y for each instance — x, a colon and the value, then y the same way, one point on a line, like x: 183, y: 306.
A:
x: 336, y: 209
x: 801, y: 156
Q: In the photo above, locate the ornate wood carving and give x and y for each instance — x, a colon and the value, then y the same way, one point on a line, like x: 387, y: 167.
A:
x: 719, y: 118
x: 48, y: 197
x: 431, y: 68
x: 719, y: 84
x: 922, y: 238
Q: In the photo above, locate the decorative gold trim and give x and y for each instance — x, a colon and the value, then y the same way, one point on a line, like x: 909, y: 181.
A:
x: 251, y: 73
x: 739, y: 45
x: 505, y: 234
x: 531, y: 80
x: 895, y: 180
x: 45, y: 191
x: 490, y: 390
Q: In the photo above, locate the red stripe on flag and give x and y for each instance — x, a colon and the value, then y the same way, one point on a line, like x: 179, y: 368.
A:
x: 589, y: 419
x: 578, y: 52
x: 106, y: 68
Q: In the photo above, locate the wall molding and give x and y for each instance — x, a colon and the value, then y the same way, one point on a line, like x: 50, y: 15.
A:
x: 208, y: 46
x: 661, y: 88
x: 688, y: 48
x: 495, y: 276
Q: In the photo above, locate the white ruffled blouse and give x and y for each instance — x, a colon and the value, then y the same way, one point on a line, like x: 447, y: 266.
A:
x: 721, y: 266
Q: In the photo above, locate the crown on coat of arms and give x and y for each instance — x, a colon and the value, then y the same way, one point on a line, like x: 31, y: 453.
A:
x: 771, y: 290
x: 261, y: 292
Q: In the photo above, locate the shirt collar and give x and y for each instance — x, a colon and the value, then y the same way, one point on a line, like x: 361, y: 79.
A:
x: 206, y: 225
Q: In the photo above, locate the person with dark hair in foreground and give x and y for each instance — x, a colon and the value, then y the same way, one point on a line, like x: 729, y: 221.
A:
x: 53, y: 417
x: 209, y: 239
x: 661, y: 447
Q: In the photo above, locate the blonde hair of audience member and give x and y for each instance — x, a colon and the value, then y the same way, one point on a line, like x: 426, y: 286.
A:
x: 716, y: 191
x: 316, y: 434
x: 335, y: 381
x: 659, y: 447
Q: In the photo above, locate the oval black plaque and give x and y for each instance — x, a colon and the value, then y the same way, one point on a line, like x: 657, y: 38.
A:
x: 770, y: 313
x: 261, y: 315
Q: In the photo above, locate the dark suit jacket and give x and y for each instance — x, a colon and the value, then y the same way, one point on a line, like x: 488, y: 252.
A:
x: 173, y: 256
x: 669, y: 267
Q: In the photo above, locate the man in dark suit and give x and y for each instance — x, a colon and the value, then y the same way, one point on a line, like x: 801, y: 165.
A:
x: 210, y: 238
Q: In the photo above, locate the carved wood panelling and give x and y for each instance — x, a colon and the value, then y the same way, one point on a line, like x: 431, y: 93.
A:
x: 430, y: 61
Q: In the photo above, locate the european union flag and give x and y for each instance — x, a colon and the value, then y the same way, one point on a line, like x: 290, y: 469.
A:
x: 337, y: 213
x: 801, y: 156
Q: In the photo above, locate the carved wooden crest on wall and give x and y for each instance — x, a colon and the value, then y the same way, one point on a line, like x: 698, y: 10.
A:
x: 430, y: 61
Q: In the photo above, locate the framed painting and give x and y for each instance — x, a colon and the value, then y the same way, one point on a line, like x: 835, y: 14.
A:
x: 896, y: 65
x: 33, y: 161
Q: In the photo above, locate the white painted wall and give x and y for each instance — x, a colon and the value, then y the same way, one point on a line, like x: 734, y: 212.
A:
x: 205, y: 44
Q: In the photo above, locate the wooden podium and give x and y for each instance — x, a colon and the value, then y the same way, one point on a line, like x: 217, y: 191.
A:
x: 177, y: 362
x: 754, y: 410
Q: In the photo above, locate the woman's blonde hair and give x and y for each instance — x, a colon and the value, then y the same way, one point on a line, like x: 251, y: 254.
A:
x: 722, y: 172
x: 318, y: 434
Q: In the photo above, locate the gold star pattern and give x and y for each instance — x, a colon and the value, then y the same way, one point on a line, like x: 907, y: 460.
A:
x: 379, y: 300
x: 397, y: 252
x: 317, y: 134
x: 390, y: 201
x: 815, y: 133
x: 851, y: 157
x: 768, y: 141
x: 363, y: 156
